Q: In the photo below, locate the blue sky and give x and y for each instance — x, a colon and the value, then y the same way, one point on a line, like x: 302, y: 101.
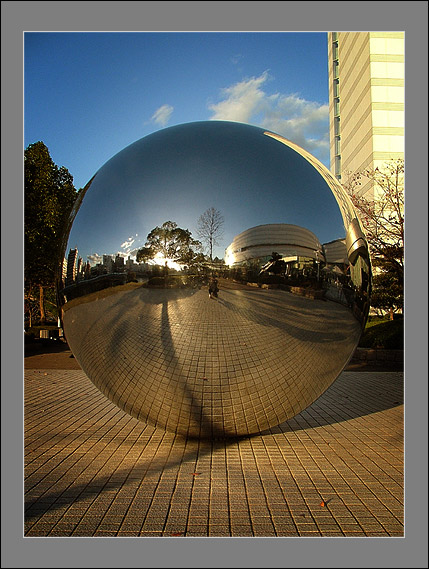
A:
x: 89, y: 95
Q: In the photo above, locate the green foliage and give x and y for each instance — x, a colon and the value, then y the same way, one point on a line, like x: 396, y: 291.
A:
x: 175, y: 281
x: 387, y: 334
x: 172, y: 281
x: 172, y: 242
x: 145, y: 254
x: 388, y: 291
x: 156, y: 281
x: 271, y: 279
x: 49, y: 196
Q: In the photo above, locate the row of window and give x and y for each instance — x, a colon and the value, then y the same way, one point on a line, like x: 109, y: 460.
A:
x: 336, y: 91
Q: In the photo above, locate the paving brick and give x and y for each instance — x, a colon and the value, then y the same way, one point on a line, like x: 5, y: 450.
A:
x: 335, y: 470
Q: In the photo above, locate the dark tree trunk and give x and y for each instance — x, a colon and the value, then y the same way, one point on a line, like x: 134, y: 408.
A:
x: 42, y: 305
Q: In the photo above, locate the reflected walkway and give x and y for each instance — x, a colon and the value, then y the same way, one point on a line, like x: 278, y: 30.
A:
x: 248, y: 360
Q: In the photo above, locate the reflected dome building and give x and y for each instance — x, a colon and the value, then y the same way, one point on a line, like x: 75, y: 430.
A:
x: 336, y: 252
x: 287, y: 240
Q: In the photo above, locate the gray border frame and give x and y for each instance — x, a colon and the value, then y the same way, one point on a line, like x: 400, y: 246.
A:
x: 410, y: 551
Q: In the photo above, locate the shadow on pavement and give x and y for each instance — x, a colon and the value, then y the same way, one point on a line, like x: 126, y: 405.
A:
x: 346, y: 399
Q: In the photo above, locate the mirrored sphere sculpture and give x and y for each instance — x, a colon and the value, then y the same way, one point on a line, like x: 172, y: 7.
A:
x: 216, y: 279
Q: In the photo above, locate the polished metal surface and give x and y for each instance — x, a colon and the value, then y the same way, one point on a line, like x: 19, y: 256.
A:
x: 291, y: 265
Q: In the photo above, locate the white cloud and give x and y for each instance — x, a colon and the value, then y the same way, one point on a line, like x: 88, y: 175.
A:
x: 133, y: 253
x: 162, y: 115
x: 95, y: 258
x: 127, y: 244
x: 305, y: 123
x: 241, y: 101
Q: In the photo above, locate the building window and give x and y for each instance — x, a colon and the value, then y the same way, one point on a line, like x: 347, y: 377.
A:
x: 336, y: 106
x: 336, y: 88
x: 337, y: 126
x: 338, y: 166
x: 337, y: 145
x: 336, y: 65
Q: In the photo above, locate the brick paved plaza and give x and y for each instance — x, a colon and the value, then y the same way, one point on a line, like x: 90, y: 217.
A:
x: 335, y: 470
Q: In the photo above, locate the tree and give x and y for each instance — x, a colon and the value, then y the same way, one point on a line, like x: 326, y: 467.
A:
x: 171, y: 242
x: 49, y: 196
x: 209, y: 228
x: 145, y: 254
x: 388, y: 292
x: 383, y: 219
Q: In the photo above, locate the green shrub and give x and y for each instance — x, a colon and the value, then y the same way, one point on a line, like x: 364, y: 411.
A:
x: 271, y: 279
x: 29, y: 337
x: 387, y: 334
x: 156, y: 281
x: 172, y: 281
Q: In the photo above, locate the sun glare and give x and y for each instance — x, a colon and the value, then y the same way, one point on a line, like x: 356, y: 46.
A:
x: 159, y: 259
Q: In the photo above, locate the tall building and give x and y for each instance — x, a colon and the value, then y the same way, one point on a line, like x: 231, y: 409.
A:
x: 80, y: 269
x: 71, y: 266
x: 64, y: 270
x: 108, y: 263
x: 119, y: 264
x: 366, y: 101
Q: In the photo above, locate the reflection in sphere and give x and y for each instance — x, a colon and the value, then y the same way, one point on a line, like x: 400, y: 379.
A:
x: 236, y: 211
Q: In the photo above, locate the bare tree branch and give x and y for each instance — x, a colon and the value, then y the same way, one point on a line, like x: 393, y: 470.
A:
x: 209, y: 229
x: 382, y: 216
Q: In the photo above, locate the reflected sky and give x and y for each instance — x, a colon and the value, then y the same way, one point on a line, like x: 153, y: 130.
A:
x: 178, y: 173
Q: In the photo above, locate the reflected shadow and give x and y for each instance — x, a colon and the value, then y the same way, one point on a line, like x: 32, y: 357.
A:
x: 207, y: 428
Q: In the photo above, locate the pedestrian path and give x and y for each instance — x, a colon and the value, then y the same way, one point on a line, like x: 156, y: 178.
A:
x: 335, y: 470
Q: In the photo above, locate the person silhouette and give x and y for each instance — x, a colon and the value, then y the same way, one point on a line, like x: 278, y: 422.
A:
x: 213, y: 288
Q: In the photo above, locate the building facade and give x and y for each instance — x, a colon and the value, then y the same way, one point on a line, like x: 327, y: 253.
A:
x: 258, y: 243
x: 366, y: 101
x: 72, y: 260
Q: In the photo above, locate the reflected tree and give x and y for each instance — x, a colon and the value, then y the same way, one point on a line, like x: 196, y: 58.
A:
x: 209, y: 229
x: 172, y: 242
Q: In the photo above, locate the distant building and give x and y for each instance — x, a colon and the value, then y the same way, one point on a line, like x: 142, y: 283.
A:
x: 336, y: 252
x: 64, y: 270
x: 71, y: 266
x: 119, y: 264
x: 366, y: 101
x: 98, y: 269
x: 108, y: 263
x: 80, y: 269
